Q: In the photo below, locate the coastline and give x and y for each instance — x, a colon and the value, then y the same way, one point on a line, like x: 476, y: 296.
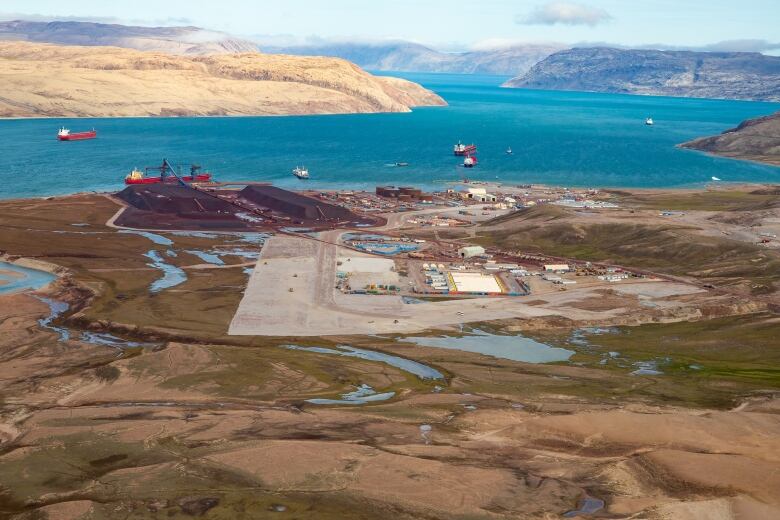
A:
x: 691, y: 188
x: 716, y: 155
x: 218, y: 116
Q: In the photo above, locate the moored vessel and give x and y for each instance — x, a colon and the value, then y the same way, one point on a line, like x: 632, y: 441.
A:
x: 464, y: 149
x: 470, y: 161
x: 167, y: 174
x: 301, y: 173
x: 65, y: 134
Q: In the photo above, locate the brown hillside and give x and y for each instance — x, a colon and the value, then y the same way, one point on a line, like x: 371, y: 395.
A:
x: 39, y: 80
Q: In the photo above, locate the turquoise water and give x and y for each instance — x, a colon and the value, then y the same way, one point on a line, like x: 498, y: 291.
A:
x: 563, y: 138
x: 16, y: 278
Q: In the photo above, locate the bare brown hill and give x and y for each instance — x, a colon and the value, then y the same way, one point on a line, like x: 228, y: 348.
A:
x: 755, y: 140
x: 39, y: 80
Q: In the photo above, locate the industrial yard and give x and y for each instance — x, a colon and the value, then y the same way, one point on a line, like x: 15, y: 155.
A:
x: 400, y: 260
x: 388, y: 280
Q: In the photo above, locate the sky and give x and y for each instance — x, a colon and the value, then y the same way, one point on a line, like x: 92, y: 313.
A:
x: 445, y: 24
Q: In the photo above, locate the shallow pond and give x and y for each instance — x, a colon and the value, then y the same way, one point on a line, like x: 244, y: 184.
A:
x: 361, y: 395
x: 587, y: 506
x: 516, y: 348
x: 208, y: 257
x: 16, y: 278
x: 407, y: 365
x: 154, y: 237
x: 648, y: 368
x: 172, y: 275
x: 385, y: 248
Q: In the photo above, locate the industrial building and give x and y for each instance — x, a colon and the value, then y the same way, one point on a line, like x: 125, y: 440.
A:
x: 471, y: 251
x: 295, y: 205
x: 475, y: 283
x: 478, y: 194
x: 555, y: 268
x: 404, y: 193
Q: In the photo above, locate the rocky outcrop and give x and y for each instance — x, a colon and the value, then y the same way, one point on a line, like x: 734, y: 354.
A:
x: 726, y: 75
x: 755, y: 140
x: 171, y: 40
x: 39, y: 80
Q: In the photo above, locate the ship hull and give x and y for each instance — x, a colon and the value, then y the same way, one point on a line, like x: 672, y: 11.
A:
x: 157, y: 180
x: 79, y: 136
x: 469, y: 150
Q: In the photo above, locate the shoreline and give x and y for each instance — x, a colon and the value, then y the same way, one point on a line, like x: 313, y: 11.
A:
x: 218, y: 116
x: 707, y: 186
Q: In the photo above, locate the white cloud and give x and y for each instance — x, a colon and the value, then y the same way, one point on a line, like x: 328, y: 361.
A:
x: 568, y: 13
x: 494, y: 44
x: 749, y: 45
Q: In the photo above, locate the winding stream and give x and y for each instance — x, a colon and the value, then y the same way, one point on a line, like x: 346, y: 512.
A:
x: 172, y: 275
x: 407, y: 365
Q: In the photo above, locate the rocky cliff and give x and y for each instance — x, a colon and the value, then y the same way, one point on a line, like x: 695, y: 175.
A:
x: 171, y: 40
x: 726, y: 75
x: 38, y: 80
x: 755, y: 139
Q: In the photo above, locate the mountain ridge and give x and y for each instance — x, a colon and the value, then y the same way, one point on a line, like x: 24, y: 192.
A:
x: 403, y: 56
x: 723, y: 75
x: 188, y: 40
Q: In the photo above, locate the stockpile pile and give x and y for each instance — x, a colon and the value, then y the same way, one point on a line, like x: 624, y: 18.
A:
x: 296, y: 205
x: 181, y: 207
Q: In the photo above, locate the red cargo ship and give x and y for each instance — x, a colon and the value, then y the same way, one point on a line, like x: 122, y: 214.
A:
x: 167, y: 174
x: 65, y: 135
x: 464, y: 149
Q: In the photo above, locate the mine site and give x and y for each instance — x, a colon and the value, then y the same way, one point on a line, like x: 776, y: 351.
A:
x: 507, y: 351
x: 389, y: 260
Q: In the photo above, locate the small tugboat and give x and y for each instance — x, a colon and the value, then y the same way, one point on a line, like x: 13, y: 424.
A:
x: 464, y: 149
x: 649, y: 121
x: 167, y: 174
x: 469, y: 162
x: 301, y: 173
x: 65, y: 135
